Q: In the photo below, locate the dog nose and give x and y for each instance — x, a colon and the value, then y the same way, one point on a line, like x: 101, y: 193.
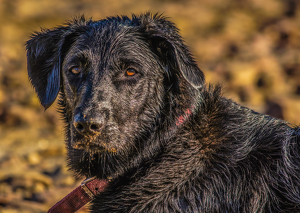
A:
x: 87, y: 126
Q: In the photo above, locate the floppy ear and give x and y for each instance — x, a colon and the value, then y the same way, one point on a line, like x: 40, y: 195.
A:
x: 167, y: 43
x: 43, y: 64
x: 45, y: 54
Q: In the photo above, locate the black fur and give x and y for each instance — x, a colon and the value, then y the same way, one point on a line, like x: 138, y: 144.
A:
x: 167, y: 142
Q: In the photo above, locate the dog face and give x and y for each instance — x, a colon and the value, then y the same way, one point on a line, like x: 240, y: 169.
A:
x: 110, y: 87
x: 119, y: 80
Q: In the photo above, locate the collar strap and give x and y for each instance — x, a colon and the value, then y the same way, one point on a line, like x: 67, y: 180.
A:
x: 80, y: 196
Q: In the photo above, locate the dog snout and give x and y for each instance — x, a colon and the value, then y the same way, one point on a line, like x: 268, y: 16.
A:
x: 87, y: 126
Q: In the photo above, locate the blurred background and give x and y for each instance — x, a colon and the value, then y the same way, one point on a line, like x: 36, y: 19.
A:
x: 251, y: 47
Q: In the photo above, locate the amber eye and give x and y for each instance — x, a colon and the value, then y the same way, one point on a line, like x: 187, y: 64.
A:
x: 75, y: 70
x: 130, y: 72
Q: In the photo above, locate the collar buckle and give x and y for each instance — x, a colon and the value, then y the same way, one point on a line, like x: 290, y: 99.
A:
x: 85, y: 188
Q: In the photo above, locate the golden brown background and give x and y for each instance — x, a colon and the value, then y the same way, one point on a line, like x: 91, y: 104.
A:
x: 252, y: 47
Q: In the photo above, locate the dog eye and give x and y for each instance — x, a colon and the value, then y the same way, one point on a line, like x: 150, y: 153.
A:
x: 75, y: 70
x: 130, y: 72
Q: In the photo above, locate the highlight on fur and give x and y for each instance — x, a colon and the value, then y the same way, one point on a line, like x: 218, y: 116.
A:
x: 167, y: 141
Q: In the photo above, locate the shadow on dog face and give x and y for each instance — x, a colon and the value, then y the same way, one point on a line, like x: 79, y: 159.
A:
x: 120, y: 80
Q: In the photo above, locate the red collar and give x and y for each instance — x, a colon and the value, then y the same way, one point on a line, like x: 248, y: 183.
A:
x: 182, y: 118
x: 80, y: 196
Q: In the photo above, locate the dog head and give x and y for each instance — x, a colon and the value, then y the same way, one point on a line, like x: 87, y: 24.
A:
x: 119, y: 79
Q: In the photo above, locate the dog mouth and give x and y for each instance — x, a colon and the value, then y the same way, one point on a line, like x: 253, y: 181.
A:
x: 108, y: 141
x: 88, y: 147
x: 92, y: 145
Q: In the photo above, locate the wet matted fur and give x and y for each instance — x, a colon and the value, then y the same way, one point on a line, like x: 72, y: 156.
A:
x: 138, y: 112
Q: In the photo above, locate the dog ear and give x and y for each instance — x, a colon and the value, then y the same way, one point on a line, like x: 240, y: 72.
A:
x: 45, y: 54
x: 43, y: 64
x: 167, y: 43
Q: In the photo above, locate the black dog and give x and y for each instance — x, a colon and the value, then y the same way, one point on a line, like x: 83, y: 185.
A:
x: 138, y: 113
